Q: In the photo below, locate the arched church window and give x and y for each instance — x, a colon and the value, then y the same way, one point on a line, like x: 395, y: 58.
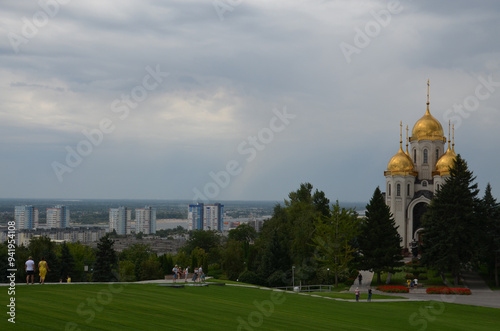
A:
x: 437, y: 154
x: 389, y: 190
x: 398, y: 190
x: 425, y: 156
x: 414, y: 156
x: 408, y: 190
x: 437, y: 187
x: 424, y: 183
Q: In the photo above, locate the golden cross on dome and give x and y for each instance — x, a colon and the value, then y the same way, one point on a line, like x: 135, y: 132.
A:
x: 427, y: 92
x: 401, y: 134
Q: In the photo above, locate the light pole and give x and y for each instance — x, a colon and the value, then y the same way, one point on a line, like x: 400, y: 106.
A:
x: 328, y: 275
x: 293, y: 278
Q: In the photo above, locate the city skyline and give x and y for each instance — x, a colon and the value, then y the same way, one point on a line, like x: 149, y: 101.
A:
x: 191, y: 100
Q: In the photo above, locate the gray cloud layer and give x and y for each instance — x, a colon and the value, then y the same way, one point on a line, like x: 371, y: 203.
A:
x: 225, y: 77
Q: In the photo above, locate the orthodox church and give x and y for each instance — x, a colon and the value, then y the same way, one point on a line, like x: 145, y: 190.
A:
x: 413, y: 176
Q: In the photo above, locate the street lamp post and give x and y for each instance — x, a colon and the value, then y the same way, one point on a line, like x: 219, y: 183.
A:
x: 328, y: 275
x: 293, y: 278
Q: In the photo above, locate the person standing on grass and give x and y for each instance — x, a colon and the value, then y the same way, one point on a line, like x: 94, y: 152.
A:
x: 195, y: 274
x: 357, y: 294
x: 200, y: 272
x: 174, y: 271
x: 29, y: 267
x: 186, y: 274
x: 369, y: 294
x: 43, y: 267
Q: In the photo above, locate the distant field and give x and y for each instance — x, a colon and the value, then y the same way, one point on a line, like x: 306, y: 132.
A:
x: 154, y: 307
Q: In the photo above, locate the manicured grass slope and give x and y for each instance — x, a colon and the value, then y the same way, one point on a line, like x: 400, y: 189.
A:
x: 153, y: 307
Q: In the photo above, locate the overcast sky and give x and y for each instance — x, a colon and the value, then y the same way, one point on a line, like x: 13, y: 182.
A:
x: 147, y: 99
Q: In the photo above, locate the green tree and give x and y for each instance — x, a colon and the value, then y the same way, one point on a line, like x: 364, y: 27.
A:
x: 151, y: 269
x: 451, y: 232
x: 491, y: 232
x: 44, y: 247
x: 232, y: 261
x: 206, y: 240
x: 106, y: 261
x: 245, y: 235
x: 333, y: 238
x: 379, y: 240
x: 137, y: 254
x: 127, y: 271
x: 67, y: 262
x: 83, y: 256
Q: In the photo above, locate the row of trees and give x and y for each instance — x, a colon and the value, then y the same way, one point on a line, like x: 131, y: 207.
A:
x: 306, y: 233
x: 307, y: 239
x: 462, y: 231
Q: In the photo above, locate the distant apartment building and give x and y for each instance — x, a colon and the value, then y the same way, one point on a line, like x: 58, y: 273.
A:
x: 120, y: 219
x: 145, y: 220
x: 26, y: 217
x: 82, y: 234
x: 58, y: 217
x: 206, y: 217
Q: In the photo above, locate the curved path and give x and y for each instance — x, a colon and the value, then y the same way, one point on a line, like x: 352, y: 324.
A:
x: 481, y: 295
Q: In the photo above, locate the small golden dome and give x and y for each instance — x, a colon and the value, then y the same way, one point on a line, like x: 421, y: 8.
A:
x: 445, y: 162
x: 400, y: 164
x: 427, y: 128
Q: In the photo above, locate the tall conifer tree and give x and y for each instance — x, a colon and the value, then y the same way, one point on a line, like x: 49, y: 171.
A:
x: 451, y: 233
x: 491, y: 221
x: 379, y: 241
x: 105, y: 261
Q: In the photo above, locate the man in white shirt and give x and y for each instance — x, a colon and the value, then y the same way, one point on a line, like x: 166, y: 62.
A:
x: 29, y: 267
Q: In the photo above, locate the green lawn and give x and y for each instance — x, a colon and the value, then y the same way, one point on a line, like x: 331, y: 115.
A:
x: 154, y: 307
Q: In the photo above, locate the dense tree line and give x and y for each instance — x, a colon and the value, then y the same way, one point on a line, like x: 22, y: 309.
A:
x: 307, y: 239
x: 461, y: 231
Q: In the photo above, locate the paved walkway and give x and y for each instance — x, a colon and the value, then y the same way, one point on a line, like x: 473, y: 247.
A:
x: 481, y: 295
x: 366, y: 281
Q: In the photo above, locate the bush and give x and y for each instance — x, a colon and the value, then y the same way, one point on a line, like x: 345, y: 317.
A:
x: 349, y: 281
x: 276, y: 279
x: 448, y: 290
x: 393, y: 288
x: 249, y: 277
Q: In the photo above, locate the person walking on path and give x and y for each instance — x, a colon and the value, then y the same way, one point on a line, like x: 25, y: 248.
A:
x: 369, y: 294
x: 360, y: 278
x: 29, y: 267
x: 357, y: 294
x: 175, y: 271
x: 43, y: 267
x: 186, y: 274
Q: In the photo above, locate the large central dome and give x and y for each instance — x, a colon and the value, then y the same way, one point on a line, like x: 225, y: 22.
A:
x: 427, y: 128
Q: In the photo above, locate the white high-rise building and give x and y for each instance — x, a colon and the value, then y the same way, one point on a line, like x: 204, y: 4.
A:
x: 26, y: 217
x: 58, y: 217
x: 205, y: 217
x: 145, y: 220
x: 119, y: 219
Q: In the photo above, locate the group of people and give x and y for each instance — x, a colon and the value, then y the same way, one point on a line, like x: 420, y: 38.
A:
x: 412, y: 283
x: 30, y: 268
x: 179, y: 273
x: 357, y: 292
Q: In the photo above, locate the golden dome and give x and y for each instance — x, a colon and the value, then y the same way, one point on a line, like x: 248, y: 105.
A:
x: 400, y: 164
x: 445, y: 162
x: 427, y: 128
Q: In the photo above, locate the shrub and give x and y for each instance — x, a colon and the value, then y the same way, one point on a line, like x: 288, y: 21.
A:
x: 349, y: 281
x: 249, y: 277
x: 276, y: 279
x: 448, y: 290
x: 392, y: 288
